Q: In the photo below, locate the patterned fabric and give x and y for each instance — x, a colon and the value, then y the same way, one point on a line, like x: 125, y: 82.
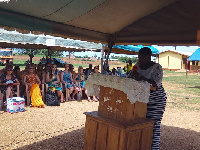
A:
x: 157, y: 100
x: 67, y: 78
x: 155, y: 110
x: 4, y: 80
x: 82, y: 83
x: 31, y: 79
x: 155, y: 73
x: 36, y: 97
x: 54, y: 87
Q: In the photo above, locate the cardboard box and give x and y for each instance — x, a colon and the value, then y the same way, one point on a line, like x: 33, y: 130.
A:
x: 15, y: 104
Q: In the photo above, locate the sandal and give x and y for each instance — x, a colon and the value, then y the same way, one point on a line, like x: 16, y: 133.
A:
x: 89, y: 100
x: 73, y: 99
x: 95, y: 100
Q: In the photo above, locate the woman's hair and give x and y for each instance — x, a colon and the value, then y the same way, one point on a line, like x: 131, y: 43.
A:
x: 145, y: 51
x: 50, y: 71
x: 9, y: 67
x: 16, y: 68
x: 66, y: 64
x: 80, y: 67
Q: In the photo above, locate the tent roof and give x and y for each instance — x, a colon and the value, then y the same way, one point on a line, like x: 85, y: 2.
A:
x: 130, y: 49
x: 145, y: 22
x: 195, y: 56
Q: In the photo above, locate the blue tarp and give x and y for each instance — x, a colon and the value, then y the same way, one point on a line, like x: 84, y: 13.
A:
x: 195, y: 56
x: 136, y: 48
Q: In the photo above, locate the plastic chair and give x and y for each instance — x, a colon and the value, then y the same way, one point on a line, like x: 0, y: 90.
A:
x: 66, y: 90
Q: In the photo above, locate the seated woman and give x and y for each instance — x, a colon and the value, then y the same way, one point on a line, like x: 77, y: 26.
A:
x: 71, y: 69
x: 66, y: 77
x: 17, y: 73
x: 33, y: 82
x: 79, y: 79
x: 8, y: 80
x: 96, y: 70
x: 52, y: 79
x: 39, y: 72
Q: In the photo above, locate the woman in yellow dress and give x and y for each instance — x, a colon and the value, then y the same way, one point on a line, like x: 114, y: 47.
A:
x: 33, y: 82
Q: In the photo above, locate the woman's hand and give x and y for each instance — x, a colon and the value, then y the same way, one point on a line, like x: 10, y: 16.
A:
x: 135, y: 75
x: 53, y: 77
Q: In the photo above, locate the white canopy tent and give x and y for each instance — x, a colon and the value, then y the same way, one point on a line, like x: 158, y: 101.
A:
x: 145, y: 22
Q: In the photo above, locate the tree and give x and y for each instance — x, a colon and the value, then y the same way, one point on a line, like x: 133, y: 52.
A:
x: 126, y: 59
x: 38, y: 52
x: 70, y: 53
x: 86, y: 56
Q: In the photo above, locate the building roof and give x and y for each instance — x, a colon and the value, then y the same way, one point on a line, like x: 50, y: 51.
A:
x: 178, y: 52
x: 195, y: 56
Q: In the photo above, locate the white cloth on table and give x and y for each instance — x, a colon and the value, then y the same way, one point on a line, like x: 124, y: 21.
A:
x: 135, y: 90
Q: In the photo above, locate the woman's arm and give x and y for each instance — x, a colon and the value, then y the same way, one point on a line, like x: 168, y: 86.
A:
x: 47, y: 78
x: 58, y: 80
x: 17, y: 82
x: 38, y: 79
x: 2, y: 83
x: 135, y: 75
x: 74, y: 79
x: 71, y: 77
x: 43, y: 76
x: 24, y: 80
x: 61, y: 76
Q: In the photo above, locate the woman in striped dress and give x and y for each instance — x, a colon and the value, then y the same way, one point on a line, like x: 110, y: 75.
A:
x: 151, y: 72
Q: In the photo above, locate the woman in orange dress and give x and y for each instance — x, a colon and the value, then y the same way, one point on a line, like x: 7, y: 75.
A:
x: 33, y: 81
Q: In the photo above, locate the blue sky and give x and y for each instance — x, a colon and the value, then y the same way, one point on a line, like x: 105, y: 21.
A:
x: 160, y: 48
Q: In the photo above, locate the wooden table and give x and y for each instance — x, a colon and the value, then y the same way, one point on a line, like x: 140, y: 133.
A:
x: 106, y: 134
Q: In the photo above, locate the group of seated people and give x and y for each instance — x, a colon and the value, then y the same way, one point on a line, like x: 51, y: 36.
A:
x: 57, y: 81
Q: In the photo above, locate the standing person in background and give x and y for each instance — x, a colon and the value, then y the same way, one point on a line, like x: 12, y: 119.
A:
x: 151, y: 72
x: 128, y: 67
x: 88, y: 71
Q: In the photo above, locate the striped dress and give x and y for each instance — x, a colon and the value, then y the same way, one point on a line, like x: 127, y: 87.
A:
x: 157, y: 100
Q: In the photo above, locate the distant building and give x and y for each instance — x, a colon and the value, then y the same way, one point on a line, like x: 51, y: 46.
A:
x: 194, y: 61
x: 113, y: 59
x: 173, y: 60
x: 71, y: 56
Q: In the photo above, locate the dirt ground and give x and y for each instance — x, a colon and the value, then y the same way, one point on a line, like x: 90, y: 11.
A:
x: 63, y: 127
x: 66, y: 59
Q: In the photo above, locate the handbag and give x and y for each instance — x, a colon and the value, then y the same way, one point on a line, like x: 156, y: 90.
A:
x: 52, y: 99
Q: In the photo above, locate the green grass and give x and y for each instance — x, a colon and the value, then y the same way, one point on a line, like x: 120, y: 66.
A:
x: 22, y: 62
x: 83, y: 65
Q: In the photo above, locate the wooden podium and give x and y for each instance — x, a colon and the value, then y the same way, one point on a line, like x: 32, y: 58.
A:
x: 118, y: 124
